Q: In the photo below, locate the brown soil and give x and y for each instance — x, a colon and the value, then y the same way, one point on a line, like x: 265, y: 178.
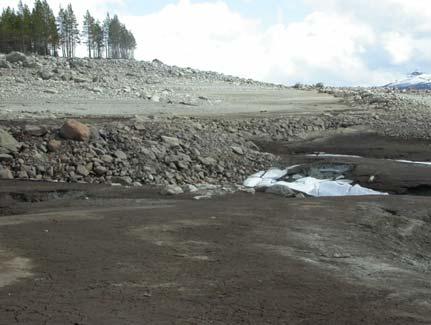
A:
x: 143, y: 259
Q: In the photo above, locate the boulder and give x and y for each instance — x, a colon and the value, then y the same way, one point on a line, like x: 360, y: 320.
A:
x: 8, y: 144
x: 14, y: 57
x: 74, y: 130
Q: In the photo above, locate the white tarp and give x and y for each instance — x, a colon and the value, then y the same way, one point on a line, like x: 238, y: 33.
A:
x: 309, y: 185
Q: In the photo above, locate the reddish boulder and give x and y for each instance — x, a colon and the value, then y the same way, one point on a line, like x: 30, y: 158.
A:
x: 74, y: 130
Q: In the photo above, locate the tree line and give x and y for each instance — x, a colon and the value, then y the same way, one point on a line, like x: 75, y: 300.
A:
x: 40, y: 31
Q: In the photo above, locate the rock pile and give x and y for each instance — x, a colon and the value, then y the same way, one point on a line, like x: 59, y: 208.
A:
x: 175, y: 151
x: 155, y: 82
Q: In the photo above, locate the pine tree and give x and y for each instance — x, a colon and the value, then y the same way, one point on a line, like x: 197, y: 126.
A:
x: 39, y: 31
x: 69, y: 32
x: 88, y: 32
x: 98, y: 41
x: 106, y: 25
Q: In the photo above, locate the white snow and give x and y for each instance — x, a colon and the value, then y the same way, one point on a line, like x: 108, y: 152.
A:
x: 415, y: 79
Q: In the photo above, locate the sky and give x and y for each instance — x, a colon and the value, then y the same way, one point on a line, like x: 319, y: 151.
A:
x: 337, y: 42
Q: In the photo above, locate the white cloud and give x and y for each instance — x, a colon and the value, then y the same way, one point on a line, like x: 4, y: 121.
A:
x: 399, y: 46
x: 209, y: 35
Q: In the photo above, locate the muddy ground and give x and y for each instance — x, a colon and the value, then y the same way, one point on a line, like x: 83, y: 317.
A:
x: 86, y: 254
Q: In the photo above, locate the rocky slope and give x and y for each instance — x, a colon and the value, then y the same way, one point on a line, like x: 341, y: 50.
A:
x: 58, y: 78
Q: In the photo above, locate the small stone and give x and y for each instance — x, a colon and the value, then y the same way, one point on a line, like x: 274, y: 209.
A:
x: 45, y: 74
x: 189, y: 188
x: 81, y: 170
x: 34, y: 130
x: 281, y: 191
x: 5, y: 157
x: 155, y: 98
x: 120, y: 155
x: 50, y: 91
x: 4, y: 64
x: 22, y: 174
x: 123, y: 180
x: 208, y: 161
x: 172, y: 190
x: 54, y: 145
x: 238, y: 150
x: 107, y: 159
x: 5, y: 174
x: 100, y: 170
x: 171, y: 141
x: 8, y: 143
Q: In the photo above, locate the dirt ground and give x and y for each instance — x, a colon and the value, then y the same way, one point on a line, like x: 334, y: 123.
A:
x: 86, y: 254
x: 223, y: 99
x: 142, y: 259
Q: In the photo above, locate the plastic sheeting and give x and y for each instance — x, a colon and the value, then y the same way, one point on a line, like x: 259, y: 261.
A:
x: 308, y: 185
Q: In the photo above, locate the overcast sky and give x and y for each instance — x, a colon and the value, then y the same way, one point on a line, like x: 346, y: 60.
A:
x: 338, y: 42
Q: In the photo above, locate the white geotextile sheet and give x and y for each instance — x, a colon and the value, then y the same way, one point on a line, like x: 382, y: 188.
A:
x: 308, y: 185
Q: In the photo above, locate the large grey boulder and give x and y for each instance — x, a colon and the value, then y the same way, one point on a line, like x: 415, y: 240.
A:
x: 8, y: 143
x: 15, y: 57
